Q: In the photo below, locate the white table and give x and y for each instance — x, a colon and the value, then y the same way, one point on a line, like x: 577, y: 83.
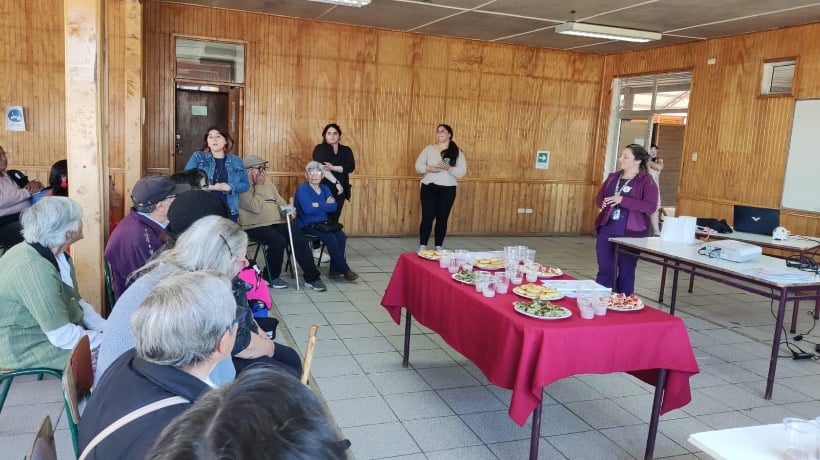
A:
x: 684, y: 257
x: 763, y: 442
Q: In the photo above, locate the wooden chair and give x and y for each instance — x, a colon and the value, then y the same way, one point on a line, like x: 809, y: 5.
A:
x: 309, y: 353
x: 8, y: 375
x: 78, y: 376
x: 43, y: 447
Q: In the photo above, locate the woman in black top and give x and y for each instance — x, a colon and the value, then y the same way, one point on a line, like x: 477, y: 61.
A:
x: 338, y: 163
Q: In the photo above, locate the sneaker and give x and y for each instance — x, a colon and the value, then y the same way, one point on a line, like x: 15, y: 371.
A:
x: 317, y: 285
x: 422, y: 247
x: 278, y: 283
x: 438, y: 248
x: 351, y: 275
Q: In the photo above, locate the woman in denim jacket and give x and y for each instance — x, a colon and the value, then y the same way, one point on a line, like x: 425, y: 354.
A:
x: 227, y: 177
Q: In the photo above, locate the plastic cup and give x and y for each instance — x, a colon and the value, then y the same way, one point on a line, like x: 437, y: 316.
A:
x: 530, y: 254
x: 801, y: 439
x: 587, y: 312
x: 517, y: 278
x: 482, y: 278
x: 444, y: 260
x: 502, y: 283
x: 488, y: 290
x: 532, y: 276
x: 454, y: 266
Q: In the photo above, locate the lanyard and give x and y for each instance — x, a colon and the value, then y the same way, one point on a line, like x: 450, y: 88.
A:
x: 619, y: 187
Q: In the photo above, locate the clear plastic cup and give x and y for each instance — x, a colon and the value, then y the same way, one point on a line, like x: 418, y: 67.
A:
x: 482, y: 278
x: 488, y: 290
x: 587, y: 312
x: 454, y: 266
x: 502, y: 283
x: 517, y: 278
x: 801, y: 439
x: 445, y: 258
x: 532, y: 276
x: 530, y: 254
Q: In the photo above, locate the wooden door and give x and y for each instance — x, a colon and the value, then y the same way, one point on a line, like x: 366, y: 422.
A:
x: 196, y: 111
x: 236, y: 102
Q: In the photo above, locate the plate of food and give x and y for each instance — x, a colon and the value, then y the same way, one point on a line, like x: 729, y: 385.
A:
x: 536, y: 291
x: 541, y: 309
x: 465, y: 276
x: 490, y: 263
x: 623, y: 302
x: 549, y: 272
x: 429, y: 254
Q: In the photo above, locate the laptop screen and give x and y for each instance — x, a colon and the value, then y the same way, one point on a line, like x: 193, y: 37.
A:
x: 761, y: 221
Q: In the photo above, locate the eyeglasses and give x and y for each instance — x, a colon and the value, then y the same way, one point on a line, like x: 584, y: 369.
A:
x: 169, y: 197
x: 260, y: 168
x: 227, y: 246
x: 314, y: 172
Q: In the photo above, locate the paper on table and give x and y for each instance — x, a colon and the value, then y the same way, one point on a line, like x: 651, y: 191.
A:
x: 778, y: 275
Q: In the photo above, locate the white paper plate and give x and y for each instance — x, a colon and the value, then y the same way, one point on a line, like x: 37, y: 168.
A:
x: 566, y: 313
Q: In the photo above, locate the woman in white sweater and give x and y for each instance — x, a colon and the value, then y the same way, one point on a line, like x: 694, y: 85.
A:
x: 442, y: 164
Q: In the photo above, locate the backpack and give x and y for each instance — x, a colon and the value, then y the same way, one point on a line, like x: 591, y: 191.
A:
x: 259, y: 293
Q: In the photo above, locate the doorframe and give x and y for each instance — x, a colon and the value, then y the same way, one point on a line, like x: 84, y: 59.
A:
x: 240, y: 115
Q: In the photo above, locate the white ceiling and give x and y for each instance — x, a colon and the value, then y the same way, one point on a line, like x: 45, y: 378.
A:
x: 532, y: 22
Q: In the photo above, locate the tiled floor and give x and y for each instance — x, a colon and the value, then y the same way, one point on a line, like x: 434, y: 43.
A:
x: 442, y: 407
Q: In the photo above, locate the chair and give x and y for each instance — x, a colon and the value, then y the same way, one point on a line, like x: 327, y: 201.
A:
x: 78, y: 376
x: 309, y: 353
x: 8, y: 375
x: 263, y: 247
x: 43, y: 447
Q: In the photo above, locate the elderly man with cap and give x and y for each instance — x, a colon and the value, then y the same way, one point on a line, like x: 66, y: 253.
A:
x: 137, y: 238
x: 262, y: 218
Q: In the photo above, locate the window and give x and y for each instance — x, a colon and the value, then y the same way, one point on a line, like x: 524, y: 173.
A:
x: 202, y: 60
x: 777, y: 77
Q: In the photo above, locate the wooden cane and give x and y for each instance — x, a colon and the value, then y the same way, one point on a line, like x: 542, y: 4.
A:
x: 309, y: 353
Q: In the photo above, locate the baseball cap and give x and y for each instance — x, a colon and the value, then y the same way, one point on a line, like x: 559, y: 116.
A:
x: 150, y: 190
x: 191, y: 206
x: 252, y: 161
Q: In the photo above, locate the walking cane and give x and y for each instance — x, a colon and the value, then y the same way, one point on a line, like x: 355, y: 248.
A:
x: 292, y: 251
x: 309, y: 354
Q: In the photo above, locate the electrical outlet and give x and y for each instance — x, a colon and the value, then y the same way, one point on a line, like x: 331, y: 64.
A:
x: 528, y: 211
x: 521, y: 210
x: 694, y: 156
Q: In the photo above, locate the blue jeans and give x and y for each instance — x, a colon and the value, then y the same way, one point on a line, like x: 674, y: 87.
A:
x: 335, y: 242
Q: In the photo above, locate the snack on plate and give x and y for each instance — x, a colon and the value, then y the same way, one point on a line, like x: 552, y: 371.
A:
x: 541, y: 309
x: 490, y: 262
x: 430, y: 254
x: 548, y: 272
x: 623, y: 302
x: 465, y: 276
x: 536, y: 291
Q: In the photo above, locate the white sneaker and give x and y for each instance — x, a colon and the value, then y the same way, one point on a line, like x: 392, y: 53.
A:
x: 438, y: 248
x: 422, y: 247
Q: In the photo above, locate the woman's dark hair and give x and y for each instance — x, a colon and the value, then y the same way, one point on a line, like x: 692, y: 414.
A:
x: 264, y: 413
x: 223, y: 132
x: 192, y: 177
x: 55, y: 178
x: 452, y: 150
x: 641, y: 155
x: 328, y: 126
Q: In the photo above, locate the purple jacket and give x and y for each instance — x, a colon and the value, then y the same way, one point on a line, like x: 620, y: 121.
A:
x: 133, y: 243
x: 641, y: 202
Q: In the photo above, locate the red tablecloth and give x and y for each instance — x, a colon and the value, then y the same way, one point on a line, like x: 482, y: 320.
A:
x: 526, y: 354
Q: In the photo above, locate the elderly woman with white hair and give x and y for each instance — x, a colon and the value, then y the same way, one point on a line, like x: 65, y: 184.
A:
x: 314, y: 203
x: 182, y: 329
x: 43, y: 315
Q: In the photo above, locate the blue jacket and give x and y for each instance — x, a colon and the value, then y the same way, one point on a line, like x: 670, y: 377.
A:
x: 237, y: 175
x: 306, y: 212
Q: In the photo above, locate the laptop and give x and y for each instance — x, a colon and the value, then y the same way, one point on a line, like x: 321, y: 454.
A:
x: 761, y: 221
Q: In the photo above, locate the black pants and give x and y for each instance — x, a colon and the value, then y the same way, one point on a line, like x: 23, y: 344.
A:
x: 275, y: 237
x: 284, y: 357
x: 436, y: 203
x: 10, y: 229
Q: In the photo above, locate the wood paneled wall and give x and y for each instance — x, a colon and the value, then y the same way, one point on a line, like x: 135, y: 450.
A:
x: 741, y: 139
x: 388, y: 91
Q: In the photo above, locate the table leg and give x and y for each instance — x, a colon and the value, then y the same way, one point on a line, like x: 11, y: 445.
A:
x: 663, y: 280
x: 795, y: 312
x: 535, y: 436
x: 407, y: 320
x: 675, y: 274
x: 778, y: 328
x: 615, y: 269
x: 656, y: 415
x: 692, y: 280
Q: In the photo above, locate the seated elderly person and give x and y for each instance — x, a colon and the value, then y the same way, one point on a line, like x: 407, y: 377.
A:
x: 137, y: 237
x: 264, y: 414
x: 43, y: 315
x: 313, y: 203
x: 14, y: 198
x: 181, y: 330
x: 262, y: 217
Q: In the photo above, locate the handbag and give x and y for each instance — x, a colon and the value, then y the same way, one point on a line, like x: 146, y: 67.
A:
x: 328, y: 227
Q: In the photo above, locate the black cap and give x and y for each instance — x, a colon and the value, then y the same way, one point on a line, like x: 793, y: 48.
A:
x: 191, y: 206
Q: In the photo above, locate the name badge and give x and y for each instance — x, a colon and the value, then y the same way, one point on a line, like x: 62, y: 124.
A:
x: 627, y: 189
x: 616, y: 214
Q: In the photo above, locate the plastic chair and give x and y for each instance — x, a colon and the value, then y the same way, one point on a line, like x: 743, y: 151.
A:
x: 43, y: 447
x: 78, y: 376
x: 8, y: 375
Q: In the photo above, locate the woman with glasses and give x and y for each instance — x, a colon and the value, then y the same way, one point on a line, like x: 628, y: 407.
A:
x: 226, y: 174
x: 442, y: 164
x: 314, y: 202
x: 337, y: 164
x: 211, y: 243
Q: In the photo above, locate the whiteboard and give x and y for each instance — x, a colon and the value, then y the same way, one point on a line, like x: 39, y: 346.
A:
x: 800, y: 189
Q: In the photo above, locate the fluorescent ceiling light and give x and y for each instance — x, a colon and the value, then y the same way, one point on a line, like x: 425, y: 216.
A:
x: 356, y: 3
x: 606, y: 32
